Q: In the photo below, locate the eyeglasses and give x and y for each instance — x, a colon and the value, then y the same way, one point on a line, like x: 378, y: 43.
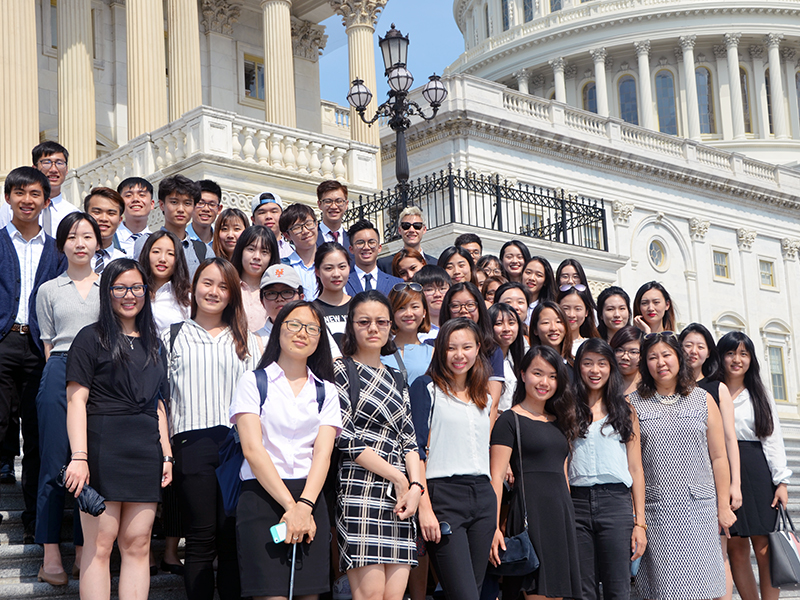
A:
x: 120, y: 291
x: 405, y: 226
x: 380, y: 323
x: 296, y: 326
x: 568, y: 286
x: 47, y: 163
x: 368, y: 243
x: 457, y: 307
x: 285, y: 294
x: 431, y: 289
x: 620, y: 352
x: 665, y: 334
x: 211, y: 205
x: 495, y: 272
x: 414, y: 287
x: 331, y: 201
x: 298, y: 229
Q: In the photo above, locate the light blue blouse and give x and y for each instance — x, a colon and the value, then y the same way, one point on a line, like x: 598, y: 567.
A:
x: 416, y: 358
x: 599, y: 458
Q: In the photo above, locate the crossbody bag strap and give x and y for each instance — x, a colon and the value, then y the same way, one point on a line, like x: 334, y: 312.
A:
x: 398, y: 356
x: 430, y: 422
x: 521, y: 474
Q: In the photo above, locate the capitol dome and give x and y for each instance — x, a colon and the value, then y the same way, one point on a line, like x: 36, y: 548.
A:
x: 706, y: 70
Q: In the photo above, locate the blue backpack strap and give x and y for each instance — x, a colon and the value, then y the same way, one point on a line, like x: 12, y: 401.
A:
x: 320, y: 387
x: 263, y: 383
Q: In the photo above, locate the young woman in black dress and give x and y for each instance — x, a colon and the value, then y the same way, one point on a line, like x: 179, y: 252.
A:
x: 117, y: 424
x: 547, y: 425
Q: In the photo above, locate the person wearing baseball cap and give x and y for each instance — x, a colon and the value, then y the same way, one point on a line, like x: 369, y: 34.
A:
x: 266, y: 209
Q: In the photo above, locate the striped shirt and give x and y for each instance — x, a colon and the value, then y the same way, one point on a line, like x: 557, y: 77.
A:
x: 62, y: 312
x: 203, y: 374
x: 29, y: 253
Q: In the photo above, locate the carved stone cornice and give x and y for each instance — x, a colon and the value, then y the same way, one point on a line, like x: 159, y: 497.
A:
x: 756, y: 52
x: 308, y: 39
x: 745, y: 238
x: 522, y: 75
x: 358, y: 12
x: 598, y: 55
x: 787, y: 54
x: 720, y: 51
x: 698, y: 229
x: 570, y: 71
x: 687, y: 42
x: 622, y: 212
x: 732, y: 40
x: 790, y: 248
x: 219, y: 16
x: 642, y: 47
x: 773, y: 40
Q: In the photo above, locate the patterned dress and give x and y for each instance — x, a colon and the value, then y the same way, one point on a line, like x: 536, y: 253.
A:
x: 683, y: 560
x: 369, y: 532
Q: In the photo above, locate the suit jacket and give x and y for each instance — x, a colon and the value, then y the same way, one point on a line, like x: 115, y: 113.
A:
x: 385, y: 263
x: 345, y: 241
x: 383, y: 285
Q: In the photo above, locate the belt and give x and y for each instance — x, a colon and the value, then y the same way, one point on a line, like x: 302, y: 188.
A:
x: 59, y: 353
x: 23, y: 329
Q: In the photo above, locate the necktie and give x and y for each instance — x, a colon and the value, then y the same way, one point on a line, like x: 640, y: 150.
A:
x: 99, y: 263
x: 367, y: 282
x: 136, y: 236
x: 335, y: 235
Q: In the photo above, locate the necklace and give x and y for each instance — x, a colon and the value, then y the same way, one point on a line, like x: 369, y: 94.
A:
x: 669, y: 400
x: 530, y: 412
x: 130, y: 339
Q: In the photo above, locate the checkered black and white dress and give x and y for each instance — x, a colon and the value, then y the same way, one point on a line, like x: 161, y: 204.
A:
x: 683, y: 560
x: 368, y: 530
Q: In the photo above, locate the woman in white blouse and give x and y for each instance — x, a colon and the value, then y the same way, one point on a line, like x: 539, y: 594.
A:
x: 762, y: 458
x: 287, y: 436
x: 168, y: 282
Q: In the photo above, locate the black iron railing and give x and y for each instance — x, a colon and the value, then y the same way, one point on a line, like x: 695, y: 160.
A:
x: 488, y: 202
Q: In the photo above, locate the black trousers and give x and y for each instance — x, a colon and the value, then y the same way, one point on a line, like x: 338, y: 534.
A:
x: 21, y: 368
x: 468, y: 504
x: 209, y: 533
x: 603, y: 526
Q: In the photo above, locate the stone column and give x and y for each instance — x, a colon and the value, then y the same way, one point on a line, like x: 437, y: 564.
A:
x: 185, y: 89
x: 279, y: 104
x: 773, y: 41
x: 218, y: 19
x: 724, y: 90
x: 359, y: 18
x: 788, y: 65
x: 692, y: 108
x: 522, y: 76
x: 147, y: 93
x: 759, y: 93
x: 645, y: 84
x: 737, y: 106
x: 19, y: 94
x: 558, y: 65
x: 599, y: 58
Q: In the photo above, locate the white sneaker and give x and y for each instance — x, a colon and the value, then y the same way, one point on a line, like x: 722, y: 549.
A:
x: 341, y: 589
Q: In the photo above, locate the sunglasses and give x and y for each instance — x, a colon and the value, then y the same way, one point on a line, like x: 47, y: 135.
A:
x: 405, y: 226
x: 568, y: 286
x: 666, y: 334
x: 414, y: 287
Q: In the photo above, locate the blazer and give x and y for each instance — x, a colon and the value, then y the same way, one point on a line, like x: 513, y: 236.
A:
x: 385, y: 263
x: 51, y: 265
x: 345, y: 241
x: 383, y: 285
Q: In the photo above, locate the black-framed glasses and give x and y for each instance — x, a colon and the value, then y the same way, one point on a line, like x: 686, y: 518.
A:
x: 285, y: 294
x: 120, y: 291
x: 298, y: 228
x: 212, y: 205
x: 296, y: 326
x: 405, y: 226
x: 371, y: 244
x: 331, y: 201
x: 568, y: 286
x: 666, y: 334
x: 414, y: 287
x: 620, y: 352
x: 47, y: 163
x: 457, y: 307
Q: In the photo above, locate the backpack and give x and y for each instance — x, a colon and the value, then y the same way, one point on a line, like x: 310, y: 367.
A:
x: 200, y: 249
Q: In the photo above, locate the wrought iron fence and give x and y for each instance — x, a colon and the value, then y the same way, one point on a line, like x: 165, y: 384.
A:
x: 491, y: 203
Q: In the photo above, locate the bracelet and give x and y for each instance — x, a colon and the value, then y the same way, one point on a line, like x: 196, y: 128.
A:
x: 642, y: 525
x: 169, y: 459
x: 82, y: 459
x: 419, y: 485
x: 307, y: 502
x: 79, y: 452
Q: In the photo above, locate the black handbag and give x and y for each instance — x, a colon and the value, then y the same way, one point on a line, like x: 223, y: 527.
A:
x: 784, y: 553
x: 519, y: 558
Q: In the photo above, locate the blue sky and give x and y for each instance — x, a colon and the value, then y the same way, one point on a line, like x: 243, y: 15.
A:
x: 434, y: 43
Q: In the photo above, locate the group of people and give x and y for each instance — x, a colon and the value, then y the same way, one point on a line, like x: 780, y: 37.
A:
x: 395, y: 414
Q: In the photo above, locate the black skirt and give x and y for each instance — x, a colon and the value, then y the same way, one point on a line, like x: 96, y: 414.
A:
x: 125, y: 460
x: 756, y: 516
x: 264, y: 566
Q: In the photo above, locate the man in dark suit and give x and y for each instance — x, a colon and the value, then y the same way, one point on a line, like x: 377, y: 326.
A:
x: 332, y: 202
x: 411, y: 227
x: 365, y: 247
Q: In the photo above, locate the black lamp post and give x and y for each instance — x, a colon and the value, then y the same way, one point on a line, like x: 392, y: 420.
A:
x: 398, y: 108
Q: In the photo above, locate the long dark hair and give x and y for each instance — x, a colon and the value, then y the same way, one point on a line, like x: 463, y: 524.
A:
x: 560, y: 404
x: 349, y: 342
x: 324, y: 250
x: 549, y: 287
x: 762, y: 408
x: 450, y: 252
x: 267, y: 240
x: 228, y: 214
x: 320, y: 362
x: 533, y: 337
x: 478, y: 375
x: 684, y: 383
x: 711, y: 366
x: 587, y: 328
x: 109, y: 328
x: 181, y: 283
x: 607, y: 293
x: 517, y: 348
x: 526, y: 254
x: 619, y: 411
x: 668, y: 321
x: 488, y: 344
x: 233, y: 315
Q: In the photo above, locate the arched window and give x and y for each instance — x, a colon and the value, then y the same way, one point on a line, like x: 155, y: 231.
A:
x: 552, y: 95
x: 748, y: 123
x: 528, y: 8
x: 628, y: 108
x: 769, y: 101
x: 590, y: 97
x: 486, y: 19
x: 705, y: 100
x: 665, y: 101
x: 506, y: 14
x: 555, y: 5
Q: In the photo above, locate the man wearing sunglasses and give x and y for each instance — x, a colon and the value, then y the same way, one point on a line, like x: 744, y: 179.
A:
x: 411, y: 227
x: 365, y: 245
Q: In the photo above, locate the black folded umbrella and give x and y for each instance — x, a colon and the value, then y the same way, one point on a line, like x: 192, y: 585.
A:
x: 89, y: 500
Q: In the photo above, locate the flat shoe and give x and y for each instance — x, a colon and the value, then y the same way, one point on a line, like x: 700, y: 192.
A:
x: 52, y: 578
x: 171, y: 568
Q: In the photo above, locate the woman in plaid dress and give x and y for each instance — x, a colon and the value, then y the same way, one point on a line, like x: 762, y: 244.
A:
x: 376, y: 496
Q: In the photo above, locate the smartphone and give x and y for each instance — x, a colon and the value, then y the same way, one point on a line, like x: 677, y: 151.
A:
x: 278, y: 533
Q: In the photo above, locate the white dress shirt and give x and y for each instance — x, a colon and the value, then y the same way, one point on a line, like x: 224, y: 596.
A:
x: 166, y: 309
x: 289, y: 423
x: 127, y: 239
x: 59, y: 208
x: 109, y: 254
x: 774, y: 450
x: 29, y: 253
x: 327, y: 236
x: 360, y: 274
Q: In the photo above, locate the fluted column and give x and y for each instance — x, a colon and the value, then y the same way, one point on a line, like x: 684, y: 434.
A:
x: 522, y: 76
x: 645, y: 86
x: 279, y: 104
x: 737, y: 106
x: 601, y: 88
x: 147, y: 93
x: 558, y: 65
x: 185, y: 89
x: 773, y: 41
x: 19, y: 92
x: 692, y: 108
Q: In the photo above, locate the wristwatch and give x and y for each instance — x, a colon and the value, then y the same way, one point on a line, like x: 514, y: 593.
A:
x: 169, y: 459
